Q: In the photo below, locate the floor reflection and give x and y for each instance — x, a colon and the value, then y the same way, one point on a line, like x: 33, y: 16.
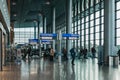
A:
x: 40, y: 69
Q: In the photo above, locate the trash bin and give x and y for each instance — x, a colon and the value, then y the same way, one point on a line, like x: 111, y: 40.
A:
x: 115, y: 60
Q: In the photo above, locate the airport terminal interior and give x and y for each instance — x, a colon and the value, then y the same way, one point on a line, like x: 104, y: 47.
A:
x: 59, y: 39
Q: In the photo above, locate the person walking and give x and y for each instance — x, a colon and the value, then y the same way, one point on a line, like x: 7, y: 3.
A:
x: 73, y: 53
x: 85, y: 53
x: 52, y: 52
x: 64, y: 51
x: 93, y: 52
x: 29, y: 51
x: 80, y: 53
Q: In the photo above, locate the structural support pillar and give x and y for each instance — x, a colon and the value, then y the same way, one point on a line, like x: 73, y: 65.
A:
x: 44, y: 29
x: 68, y: 23
x: 59, y: 46
x: 53, y: 24
x: 109, y: 28
x: 35, y: 30
x: 39, y: 45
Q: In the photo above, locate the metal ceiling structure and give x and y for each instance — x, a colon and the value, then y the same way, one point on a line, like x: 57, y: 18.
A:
x: 24, y: 12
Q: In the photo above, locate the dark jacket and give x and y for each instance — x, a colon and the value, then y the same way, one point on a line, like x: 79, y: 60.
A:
x: 72, y: 51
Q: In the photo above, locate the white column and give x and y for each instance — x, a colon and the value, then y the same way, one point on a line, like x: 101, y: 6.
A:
x: 44, y: 29
x: 39, y: 45
x: 109, y: 28
x: 53, y: 23
x: 59, y: 46
x: 35, y: 29
x: 68, y: 23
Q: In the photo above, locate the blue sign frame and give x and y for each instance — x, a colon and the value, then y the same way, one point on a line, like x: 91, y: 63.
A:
x: 46, y: 36
x: 33, y: 40
x: 46, y: 41
x: 70, y: 36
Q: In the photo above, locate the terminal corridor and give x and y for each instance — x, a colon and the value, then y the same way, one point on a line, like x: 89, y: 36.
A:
x: 59, y: 39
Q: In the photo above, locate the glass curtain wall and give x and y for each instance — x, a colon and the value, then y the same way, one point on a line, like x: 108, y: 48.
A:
x: 88, y: 21
x: 23, y: 34
x: 117, y: 29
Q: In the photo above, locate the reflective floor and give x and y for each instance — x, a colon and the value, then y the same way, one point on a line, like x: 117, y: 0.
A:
x: 40, y: 69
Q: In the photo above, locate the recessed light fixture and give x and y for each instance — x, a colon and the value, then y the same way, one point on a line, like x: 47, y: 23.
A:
x: 14, y: 15
x: 39, y: 14
x: 13, y: 3
x: 34, y: 21
x: 48, y: 3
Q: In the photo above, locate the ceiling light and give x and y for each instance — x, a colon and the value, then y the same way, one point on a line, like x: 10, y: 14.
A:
x: 47, y: 3
x: 13, y: 3
x: 15, y: 15
x: 39, y: 14
x: 34, y: 21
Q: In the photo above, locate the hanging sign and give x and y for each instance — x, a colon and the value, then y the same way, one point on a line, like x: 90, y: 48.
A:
x: 70, y: 36
x: 46, y: 36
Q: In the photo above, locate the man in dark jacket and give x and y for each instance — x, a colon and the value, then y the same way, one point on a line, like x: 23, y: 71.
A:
x: 72, y: 51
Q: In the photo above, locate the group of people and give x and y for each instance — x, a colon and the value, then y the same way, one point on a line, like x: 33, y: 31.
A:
x: 50, y: 52
x: 83, y: 52
x: 26, y: 51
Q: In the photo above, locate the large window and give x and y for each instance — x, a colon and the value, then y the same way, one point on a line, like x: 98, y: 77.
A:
x: 117, y: 23
x: 23, y: 34
x: 90, y: 25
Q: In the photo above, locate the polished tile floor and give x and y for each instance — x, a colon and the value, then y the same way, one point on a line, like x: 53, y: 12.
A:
x: 40, y: 69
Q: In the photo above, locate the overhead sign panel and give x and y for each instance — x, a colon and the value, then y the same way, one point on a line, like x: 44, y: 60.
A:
x: 46, y: 36
x: 70, y: 36
x: 33, y: 41
x: 46, y: 41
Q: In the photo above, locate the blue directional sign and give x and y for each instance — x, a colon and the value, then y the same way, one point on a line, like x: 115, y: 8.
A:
x: 70, y: 36
x: 46, y: 36
x: 33, y: 41
x: 46, y: 41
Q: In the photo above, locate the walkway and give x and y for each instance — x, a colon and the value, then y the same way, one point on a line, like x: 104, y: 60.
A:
x: 40, y: 69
